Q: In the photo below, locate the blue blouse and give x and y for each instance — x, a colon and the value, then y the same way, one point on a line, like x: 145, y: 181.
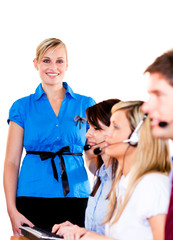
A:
x: 44, y: 131
x: 97, y: 206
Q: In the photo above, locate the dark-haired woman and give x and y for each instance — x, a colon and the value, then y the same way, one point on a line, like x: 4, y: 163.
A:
x: 103, y: 168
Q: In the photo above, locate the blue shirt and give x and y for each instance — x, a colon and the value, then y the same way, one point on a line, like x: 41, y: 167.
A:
x: 44, y: 131
x: 97, y: 205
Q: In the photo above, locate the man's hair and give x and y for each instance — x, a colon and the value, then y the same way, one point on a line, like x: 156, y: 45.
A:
x: 164, y: 66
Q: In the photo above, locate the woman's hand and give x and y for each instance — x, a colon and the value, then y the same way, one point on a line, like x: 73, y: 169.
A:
x: 69, y: 231
x: 17, y: 220
x: 56, y: 227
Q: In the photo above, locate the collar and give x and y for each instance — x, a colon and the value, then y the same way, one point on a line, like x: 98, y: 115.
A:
x: 39, y: 92
x: 69, y: 90
x: 105, y: 173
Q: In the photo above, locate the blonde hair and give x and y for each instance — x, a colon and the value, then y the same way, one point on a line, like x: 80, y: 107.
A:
x: 152, y: 155
x: 47, y: 44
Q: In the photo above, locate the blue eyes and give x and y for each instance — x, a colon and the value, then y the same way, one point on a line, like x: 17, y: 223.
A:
x: 60, y: 61
x: 116, y: 126
x: 48, y: 61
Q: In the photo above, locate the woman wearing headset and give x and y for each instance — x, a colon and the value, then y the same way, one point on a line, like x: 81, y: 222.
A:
x: 102, y: 166
x: 140, y: 193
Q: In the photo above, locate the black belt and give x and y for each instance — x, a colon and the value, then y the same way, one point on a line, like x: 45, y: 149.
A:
x: 52, y: 155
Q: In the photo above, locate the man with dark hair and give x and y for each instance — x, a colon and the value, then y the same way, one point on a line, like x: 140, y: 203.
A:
x: 160, y: 110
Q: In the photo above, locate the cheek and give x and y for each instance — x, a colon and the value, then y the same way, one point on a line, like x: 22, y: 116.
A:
x: 62, y: 68
x: 111, y: 151
x: 41, y: 70
x: 42, y: 75
x: 114, y: 138
x: 168, y: 109
x: 99, y: 137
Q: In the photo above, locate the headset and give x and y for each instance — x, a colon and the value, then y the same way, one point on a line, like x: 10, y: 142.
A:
x: 132, y: 140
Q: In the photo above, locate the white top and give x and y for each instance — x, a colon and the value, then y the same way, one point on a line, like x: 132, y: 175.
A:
x: 150, y: 198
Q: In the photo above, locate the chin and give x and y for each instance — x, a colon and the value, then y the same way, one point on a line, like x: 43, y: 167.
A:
x: 162, y: 133
x: 109, y: 152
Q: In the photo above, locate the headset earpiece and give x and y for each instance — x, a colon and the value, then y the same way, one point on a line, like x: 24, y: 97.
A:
x: 133, y: 139
x: 134, y: 136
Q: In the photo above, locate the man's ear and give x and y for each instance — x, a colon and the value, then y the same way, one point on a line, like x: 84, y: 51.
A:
x: 35, y: 63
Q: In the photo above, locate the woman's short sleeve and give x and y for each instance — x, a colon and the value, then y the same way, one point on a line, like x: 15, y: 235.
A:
x: 16, y: 113
x: 153, y: 190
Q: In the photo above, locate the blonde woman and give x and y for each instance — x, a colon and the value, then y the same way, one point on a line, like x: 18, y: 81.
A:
x: 140, y: 193
x: 51, y: 125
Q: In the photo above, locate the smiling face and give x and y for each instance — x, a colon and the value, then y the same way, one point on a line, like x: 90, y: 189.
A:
x: 95, y: 135
x: 160, y: 105
x: 52, y: 66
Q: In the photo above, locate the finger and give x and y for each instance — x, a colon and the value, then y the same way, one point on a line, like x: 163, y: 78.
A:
x: 55, y: 228
x: 68, y: 236
x: 29, y: 223
x: 65, y: 230
x: 16, y: 232
x: 77, y: 236
x: 67, y: 223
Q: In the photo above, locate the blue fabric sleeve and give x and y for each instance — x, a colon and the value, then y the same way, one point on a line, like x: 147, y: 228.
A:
x: 91, y: 102
x: 16, y: 113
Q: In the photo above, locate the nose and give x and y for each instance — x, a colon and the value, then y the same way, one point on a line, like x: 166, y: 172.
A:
x: 145, y: 107
x: 53, y: 66
x: 89, y: 133
x: 148, y: 106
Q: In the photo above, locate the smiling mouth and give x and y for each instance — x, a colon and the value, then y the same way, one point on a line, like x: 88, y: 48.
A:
x: 91, y: 143
x: 52, y: 74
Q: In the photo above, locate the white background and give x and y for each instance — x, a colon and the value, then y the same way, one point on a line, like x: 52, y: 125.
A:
x: 109, y: 42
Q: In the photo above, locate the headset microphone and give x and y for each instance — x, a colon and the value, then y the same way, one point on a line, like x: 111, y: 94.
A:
x: 163, y: 124
x: 132, y: 140
x: 88, y: 147
x: 98, y: 150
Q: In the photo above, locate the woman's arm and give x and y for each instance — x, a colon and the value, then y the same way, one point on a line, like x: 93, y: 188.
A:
x: 11, y: 169
x: 74, y: 232
x: 95, y: 236
x: 157, y: 224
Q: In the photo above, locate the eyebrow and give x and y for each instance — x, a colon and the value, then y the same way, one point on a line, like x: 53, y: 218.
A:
x: 154, y: 91
x: 113, y: 122
x: 57, y: 58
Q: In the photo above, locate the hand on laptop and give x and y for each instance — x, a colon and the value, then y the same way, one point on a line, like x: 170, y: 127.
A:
x: 69, y: 230
x: 17, y: 219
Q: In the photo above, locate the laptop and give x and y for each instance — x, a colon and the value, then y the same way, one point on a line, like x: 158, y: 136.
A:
x: 35, y: 233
